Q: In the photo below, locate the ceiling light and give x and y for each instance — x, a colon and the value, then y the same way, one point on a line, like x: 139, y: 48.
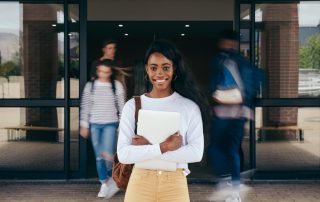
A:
x: 182, y: 34
x: 126, y: 34
x: 120, y: 25
x: 187, y: 25
x: 53, y: 25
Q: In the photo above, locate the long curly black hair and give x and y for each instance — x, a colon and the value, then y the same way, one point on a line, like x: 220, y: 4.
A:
x: 184, y: 84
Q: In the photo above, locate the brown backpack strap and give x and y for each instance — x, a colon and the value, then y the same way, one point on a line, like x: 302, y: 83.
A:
x: 137, y: 101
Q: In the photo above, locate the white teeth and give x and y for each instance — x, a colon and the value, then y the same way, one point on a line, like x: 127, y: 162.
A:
x: 160, y: 81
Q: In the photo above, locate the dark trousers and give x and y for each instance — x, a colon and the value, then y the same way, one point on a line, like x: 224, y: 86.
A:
x: 225, y: 141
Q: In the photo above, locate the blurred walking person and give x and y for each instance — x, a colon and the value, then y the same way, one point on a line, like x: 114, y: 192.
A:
x: 109, y: 51
x: 234, y: 85
x: 101, y: 103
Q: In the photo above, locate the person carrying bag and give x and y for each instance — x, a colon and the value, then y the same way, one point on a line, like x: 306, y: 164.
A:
x: 121, y: 172
x: 230, y: 87
x: 173, y: 91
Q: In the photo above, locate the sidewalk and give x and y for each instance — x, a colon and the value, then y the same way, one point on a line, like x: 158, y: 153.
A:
x: 293, y: 191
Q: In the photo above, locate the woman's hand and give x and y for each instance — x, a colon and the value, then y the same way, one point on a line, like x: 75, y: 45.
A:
x: 172, y: 143
x: 84, y: 132
x: 139, y: 140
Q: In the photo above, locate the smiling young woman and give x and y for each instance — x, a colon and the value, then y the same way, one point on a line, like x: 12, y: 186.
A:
x: 160, y: 71
x: 173, y: 90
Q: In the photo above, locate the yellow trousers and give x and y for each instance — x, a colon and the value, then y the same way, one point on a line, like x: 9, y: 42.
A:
x: 157, y: 186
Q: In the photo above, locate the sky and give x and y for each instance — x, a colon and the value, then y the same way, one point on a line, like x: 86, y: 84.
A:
x: 9, y: 17
x: 309, y: 15
x: 308, y: 12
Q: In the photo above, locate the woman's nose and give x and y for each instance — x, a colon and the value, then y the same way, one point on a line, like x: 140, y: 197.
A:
x: 159, y: 72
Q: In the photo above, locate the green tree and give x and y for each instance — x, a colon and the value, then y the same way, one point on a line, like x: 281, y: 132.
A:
x: 7, y: 69
x: 73, y: 69
x: 310, y: 53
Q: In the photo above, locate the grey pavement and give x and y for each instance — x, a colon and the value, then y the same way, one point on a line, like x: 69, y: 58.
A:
x: 257, y: 191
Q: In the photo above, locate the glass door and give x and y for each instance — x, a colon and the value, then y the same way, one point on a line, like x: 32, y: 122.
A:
x: 39, y: 83
x: 285, y: 133
x: 286, y: 38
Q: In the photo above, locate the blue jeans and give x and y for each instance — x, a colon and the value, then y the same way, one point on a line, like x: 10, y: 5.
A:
x: 103, y: 138
x: 225, y: 141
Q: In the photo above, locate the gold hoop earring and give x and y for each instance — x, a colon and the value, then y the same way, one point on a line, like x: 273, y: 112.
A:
x: 175, y: 78
x: 146, y: 77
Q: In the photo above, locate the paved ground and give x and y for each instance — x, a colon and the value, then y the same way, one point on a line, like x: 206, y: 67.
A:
x: 293, y: 191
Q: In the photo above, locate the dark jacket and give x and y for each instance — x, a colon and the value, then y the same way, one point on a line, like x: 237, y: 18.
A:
x: 252, y: 77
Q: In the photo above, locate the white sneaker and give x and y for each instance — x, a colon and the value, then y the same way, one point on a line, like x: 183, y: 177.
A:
x: 224, y: 185
x: 235, y: 197
x: 112, y: 188
x: 104, y: 189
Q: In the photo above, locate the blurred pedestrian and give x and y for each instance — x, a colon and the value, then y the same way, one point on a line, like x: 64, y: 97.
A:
x: 109, y: 52
x: 101, y: 103
x: 234, y: 85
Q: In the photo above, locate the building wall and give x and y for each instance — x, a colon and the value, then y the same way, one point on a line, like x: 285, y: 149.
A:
x: 280, y: 58
x: 108, y: 10
x: 40, y: 66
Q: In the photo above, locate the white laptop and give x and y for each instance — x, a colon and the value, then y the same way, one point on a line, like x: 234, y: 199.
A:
x: 156, y: 127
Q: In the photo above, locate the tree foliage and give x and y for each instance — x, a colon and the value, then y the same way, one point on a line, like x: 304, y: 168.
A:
x: 9, y: 69
x: 73, y: 69
x: 310, y: 53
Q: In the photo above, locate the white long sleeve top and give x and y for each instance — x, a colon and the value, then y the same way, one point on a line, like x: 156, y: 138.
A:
x: 191, y: 131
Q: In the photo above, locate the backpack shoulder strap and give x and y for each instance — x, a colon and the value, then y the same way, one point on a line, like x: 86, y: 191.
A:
x: 92, y: 86
x: 113, y: 86
x: 137, y: 101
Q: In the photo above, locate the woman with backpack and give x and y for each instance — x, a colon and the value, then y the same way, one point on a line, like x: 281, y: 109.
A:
x: 101, y: 103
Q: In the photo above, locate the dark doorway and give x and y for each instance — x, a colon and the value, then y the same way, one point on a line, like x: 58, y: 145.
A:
x: 195, y: 40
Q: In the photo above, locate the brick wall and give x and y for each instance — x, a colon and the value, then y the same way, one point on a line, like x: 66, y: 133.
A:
x: 280, y: 55
x: 40, y: 65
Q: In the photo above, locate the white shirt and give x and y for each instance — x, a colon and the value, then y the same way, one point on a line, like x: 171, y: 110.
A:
x: 191, y: 131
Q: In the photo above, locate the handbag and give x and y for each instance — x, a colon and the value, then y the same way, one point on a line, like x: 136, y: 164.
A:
x: 121, y: 172
x: 228, y: 96
x: 229, y: 87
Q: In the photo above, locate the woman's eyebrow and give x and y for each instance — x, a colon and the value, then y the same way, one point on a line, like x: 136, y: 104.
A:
x: 166, y: 64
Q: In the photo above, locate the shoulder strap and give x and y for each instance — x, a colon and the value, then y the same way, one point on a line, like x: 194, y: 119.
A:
x: 137, y: 101
x: 113, y: 85
x: 92, y: 86
x: 235, y: 72
x: 91, y: 94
